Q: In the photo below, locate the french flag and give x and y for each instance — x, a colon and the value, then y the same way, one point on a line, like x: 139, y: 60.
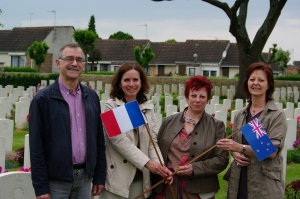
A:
x: 122, y: 119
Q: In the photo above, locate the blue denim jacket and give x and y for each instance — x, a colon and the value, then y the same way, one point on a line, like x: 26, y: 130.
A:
x: 50, y: 138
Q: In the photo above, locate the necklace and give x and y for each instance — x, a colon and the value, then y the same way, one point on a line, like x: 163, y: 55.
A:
x: 189, y: 120
x: 253, y: 112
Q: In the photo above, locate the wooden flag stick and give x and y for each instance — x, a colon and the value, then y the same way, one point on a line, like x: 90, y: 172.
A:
x: 148, y: 130
x: 193, y: 160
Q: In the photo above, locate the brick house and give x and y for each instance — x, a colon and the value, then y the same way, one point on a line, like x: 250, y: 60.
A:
x: 14, y: 44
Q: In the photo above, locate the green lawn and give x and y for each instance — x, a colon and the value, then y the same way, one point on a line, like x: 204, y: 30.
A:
x: 18, y: 139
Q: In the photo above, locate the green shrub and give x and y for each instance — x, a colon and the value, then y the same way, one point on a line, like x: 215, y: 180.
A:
x: 292, y: 77
x: 102, y: 72
x: 293, y: 156
x: 19, y: 69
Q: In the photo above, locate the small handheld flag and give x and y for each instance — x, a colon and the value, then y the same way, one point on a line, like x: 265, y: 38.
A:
x: 258, y: 139
x: 122, y: 119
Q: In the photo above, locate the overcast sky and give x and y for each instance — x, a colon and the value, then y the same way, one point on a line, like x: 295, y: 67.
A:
x: 177, y: 19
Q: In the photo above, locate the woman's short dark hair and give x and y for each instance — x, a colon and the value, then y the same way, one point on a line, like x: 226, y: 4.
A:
x: 116, y: 90
x: 269, y: 74
x: 196, y: 83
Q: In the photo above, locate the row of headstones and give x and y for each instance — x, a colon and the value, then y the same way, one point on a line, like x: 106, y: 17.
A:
x: 19, y: 183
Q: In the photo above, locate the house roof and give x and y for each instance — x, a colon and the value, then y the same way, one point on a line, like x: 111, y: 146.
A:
x: 207, y: 50
x: 19, y: 39
x: 119, y: 51
x: 232, y: 56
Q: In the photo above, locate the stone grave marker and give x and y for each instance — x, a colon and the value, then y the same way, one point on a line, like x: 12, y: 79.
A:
x: 158, y: 120
x: 44, y: 83
x: 232, y: 88
x: 92, y: 85
x: 276, y: 96
x: 16, y: 185
x: 183, y: 105
x: 2, y: 110
x: 174, y: 88
x: 3, y: 92
x: 7, y: 105
x: 6, y: 131
x: 279, y: 105
x: 166, y: 88
x: 158, y: 89
x: 99, y: 85
x: 296, y: 96
x: 2, y: 153
x: 226, y: 105
x: 239, y: 104
x: 26, y: 152
x: 221, y: 115
x: 217, y: 91
x: 9, y: 88
x: 233, y: 113
x: 107, y: 87
x: 51, y: 81
x: 104, y: 97
x: 291, y: 133
x: 22, y: 110
x: 224, y: 90
x: 168, y: 101
x: 171, y: 109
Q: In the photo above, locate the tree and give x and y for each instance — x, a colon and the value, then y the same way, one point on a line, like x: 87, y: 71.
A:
x: 279, y: 57
x: 248, y: 52
x: 86, y: 39
x: 145, y: 57
x: 121, y: 36
x: 92, y: 25
x: 94, y: 56
x: 38, y: 51
x: 171, y: 41
x: 1, y: 25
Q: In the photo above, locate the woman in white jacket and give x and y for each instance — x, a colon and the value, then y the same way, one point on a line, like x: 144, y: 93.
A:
x: 131, y: 156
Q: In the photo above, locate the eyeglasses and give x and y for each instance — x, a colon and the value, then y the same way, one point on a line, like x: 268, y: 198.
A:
x: 71, y: 60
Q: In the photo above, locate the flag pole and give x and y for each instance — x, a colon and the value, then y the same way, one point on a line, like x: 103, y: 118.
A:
x: 148, y: 130
x: 193, y: 160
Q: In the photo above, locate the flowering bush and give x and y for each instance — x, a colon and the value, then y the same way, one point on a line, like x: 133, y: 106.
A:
x: 292, y: 190
x: 229, y: 128
x: 297, y: 141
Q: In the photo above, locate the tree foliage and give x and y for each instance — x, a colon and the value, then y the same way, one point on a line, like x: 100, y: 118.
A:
x: 86, y: 39
x: 1, y: 25
x: 145, y: 57
x: 171, y: 41
x: 94, y: 56
x: 121, y: 36
x: 92, y: 25
x: 249, y: 52
x: 279, y: 57
x: 38, y: 51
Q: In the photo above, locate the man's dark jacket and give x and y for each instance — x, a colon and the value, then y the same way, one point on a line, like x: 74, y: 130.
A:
x: 50, y: 138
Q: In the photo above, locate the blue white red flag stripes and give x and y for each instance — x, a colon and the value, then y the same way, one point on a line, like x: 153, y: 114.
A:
x: 258, y: 139
x: 122, y: 119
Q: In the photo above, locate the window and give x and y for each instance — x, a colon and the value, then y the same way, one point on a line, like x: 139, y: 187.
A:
x: 17, y: 61
x: 191, y: 71
x: 116, y: 68
x: 208, y: 73
x: 104, y: 67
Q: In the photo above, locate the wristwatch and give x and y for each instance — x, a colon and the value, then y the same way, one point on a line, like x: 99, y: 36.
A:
x: 243, y: 149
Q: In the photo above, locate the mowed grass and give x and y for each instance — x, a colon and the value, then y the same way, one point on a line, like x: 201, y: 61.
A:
x: 292, y: 173
x: 292, y: 170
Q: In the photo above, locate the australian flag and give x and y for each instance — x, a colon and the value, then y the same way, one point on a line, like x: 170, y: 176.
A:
x: 258, y: 139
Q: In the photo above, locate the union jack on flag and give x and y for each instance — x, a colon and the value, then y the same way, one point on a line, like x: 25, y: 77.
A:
x: 257, y: 128
x: 258, y: 139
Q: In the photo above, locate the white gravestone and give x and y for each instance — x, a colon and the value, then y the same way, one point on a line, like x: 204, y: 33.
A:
x: 22, y: 110
x: 3, y: 92
x: 216, y: 97
x: 107, y: 87
x: 183, y: 105
x: 224, y: 90
x: 16, y: 185
x: 9, y: 88
x: 26, y: 152
x: 104, y: 96
x: 217, y: 90
x: 239, y: 104
x: 232, y: 88
x: 168, y: 101
x: 291, y: 133
x: 166, y: 88
x: 221, y: 115
x: 7, y: 105
x: 171, y: 109
x: 174, y: 88
x: 230, y: 94
x: 283, y: 95
x: 158, y: 89
x: 296, y: 96
x: 279, y: 105
x: 226, y: 104
x: 6, y: 131
x: 99, y: 85
x: 276, y: 96
x: 296, y: 113
x: 2, y: 110
x: 233, y: 113
x: 51, y: 81
x: 92, y: 85
x: 212, y: 104
x: 158, y: 120
x: 2, y: 153
x: 84, y: 83
x: 44, y: 83
x: 181, y: 91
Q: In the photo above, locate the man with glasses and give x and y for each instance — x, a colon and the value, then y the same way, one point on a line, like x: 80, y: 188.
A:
x: 67, y: 149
